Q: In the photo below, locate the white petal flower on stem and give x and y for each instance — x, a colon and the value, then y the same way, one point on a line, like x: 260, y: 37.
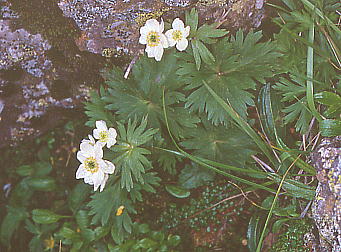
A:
x: 177, y: 36
x: 91, y: 140
x: 153, y: 38
x: 106, y: 136
x: 93, y: 169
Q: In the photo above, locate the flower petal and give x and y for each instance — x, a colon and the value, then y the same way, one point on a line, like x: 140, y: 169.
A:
x: 161, y: 26
x: 81, y: 156
x: 108, y: 167
x: 152, y: 24
x: 182, y: 44
x: 106, y: 177
x: 169, y: 35
x: 88, y: 180
x: 112, y: 133
x: 158, y: 53
x: 96, y: 132
x: 144, y: 30
x: 97, y: 178
x: 101, y: 125
x: 92, y: 140
x: 164, y: 41
x: 178, y: 24
x: 86, y: 147
x: 150, y: 51
x: 98, y: 151
x: 81, y: 172
x: 143, y: 40
x: 186, y: 31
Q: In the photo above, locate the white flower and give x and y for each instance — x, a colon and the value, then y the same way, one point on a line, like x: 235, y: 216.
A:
x: 152, y: 36
x: 93, y: 168
x: 177, y: 36
x: 106, y: 136
x: 90, y: 141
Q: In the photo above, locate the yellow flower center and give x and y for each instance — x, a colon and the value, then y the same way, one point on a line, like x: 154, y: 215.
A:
x: 153, y: 39
x: 103, y: 136
x: 91, y: 165
x: 177, y: 35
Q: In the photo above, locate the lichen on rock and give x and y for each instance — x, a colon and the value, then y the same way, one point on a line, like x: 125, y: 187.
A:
x: 113, y: 26
x: 326, y: 208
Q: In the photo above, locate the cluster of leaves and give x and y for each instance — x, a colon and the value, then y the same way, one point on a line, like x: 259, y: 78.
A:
x: 145, y: 239
x: 301, y: 52
x: 199, y: 213
x: 195, y: 104
x: 291, y: 236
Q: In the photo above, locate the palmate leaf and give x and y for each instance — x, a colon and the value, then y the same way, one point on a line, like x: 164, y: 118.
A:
x: 132, y: 161
x: 104, y: 204
x: 141, y: 95
x: 240, y: 62
x: 226, y: 145
x: 205, y: 34
x: 194, y: 175
x: 95, y: 109
x: 294, y: 91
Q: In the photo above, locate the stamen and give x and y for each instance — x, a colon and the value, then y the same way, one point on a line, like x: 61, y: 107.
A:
x: 153, y: 39
x: 91, y: 165
x: 177, y: 35
x: 103, y: 136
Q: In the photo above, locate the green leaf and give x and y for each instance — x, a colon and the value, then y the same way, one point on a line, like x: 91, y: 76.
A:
x: 82, y: 219
x: 44, y: 216
x: 11, y: 222
x: 79, y: 193
x: 207, y: 33
x: 173, y: 240
x: 68, y: 233
x: 253, y: 232
x: 36, y: 244
x: 196, y: 55
x: 147, y: 243
x: 157, y: 236
x: 330, y: 127
x: 192, y: 20
x: 42, y: 169
x: 101, y: 232
x: 240, y: 64
x: 193, y: 176
x: 178, y: 191
x: 205, y: 54
x: 295, y: 188
x: 228, y: 145
x: 42, y: 184
x: 102, y: 205
x: 95, y: 109
x: 143, y: 228
x: 140, y: 96
x: 328, y: 98
x: 278, y: 224
x: 332, y: 100
x: 132, y: 161
x: 24, y: 170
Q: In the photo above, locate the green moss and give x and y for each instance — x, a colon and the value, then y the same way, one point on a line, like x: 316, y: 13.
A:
x: 291, y: 237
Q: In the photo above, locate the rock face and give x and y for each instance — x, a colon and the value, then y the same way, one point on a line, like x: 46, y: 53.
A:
x: 111, y: 27
x: 52, y: 51
x: 33, y: 90
x: 326, y: 208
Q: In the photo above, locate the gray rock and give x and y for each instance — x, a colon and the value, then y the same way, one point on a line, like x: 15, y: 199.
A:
x: 111, y: 27
x: 326, y: 208
x: 27, y: 77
